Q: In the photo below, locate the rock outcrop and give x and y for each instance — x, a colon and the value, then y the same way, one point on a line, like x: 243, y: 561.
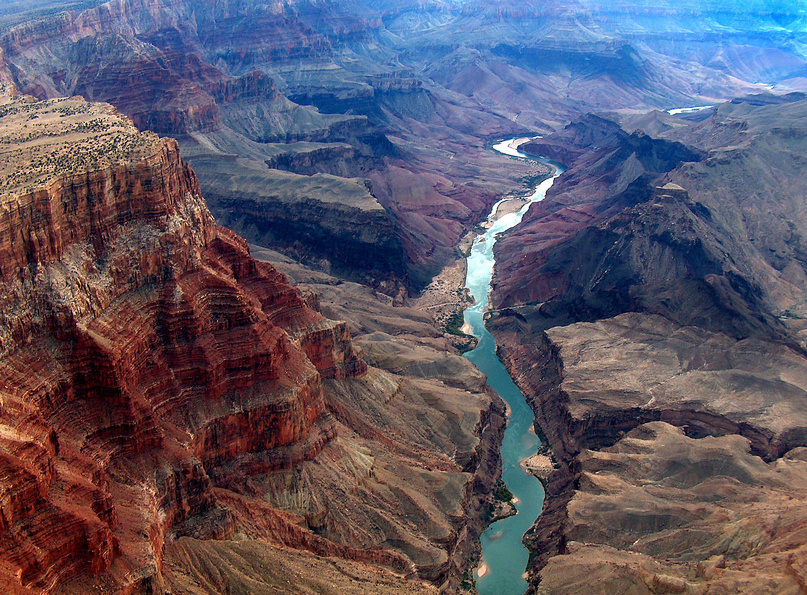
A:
x: 169, y: 402
x: 146, y: 356
x: 663, y: 304
x: 350, y: 234
x: 661, y: 512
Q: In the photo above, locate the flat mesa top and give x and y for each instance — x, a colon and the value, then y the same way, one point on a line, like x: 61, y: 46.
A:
x: 41, y: 141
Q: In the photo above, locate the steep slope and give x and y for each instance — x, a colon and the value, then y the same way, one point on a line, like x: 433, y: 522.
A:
x: 663, y: 289
x: 646, y: 224
x: 132, y: 323
x: 218, y: 78
x: 161, y: 388
x: 405, y: 86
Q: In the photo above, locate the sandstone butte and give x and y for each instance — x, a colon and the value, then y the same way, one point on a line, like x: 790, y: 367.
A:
x: 154, y: 377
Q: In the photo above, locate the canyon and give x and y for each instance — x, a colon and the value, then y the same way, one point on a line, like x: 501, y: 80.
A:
x: 394, y: 95
x: 660, y: 337
x: 233, y: 236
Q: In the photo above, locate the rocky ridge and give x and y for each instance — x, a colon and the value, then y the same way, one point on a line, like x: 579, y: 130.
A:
x: 413, y: 96
x: 219, y: 102
x: 649, y: 306
x: 133, y: 324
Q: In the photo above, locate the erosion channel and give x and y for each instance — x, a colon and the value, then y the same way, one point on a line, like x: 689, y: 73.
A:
x: 504, y: 557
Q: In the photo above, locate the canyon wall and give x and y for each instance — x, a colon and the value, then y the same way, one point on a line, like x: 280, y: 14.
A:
x: 260, y: 84
x: 175, y: 407
x: 161, y: 388
x: 132, y: 324
x: 658, y: 335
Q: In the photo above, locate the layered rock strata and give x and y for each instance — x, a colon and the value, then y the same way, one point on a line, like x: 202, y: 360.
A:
x: 427, y: 440
x: 659, y: 339
x: 178, y: 418
x: 144, y: 353
x: 219, y: 77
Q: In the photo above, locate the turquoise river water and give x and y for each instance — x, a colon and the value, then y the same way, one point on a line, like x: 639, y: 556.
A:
x: 504, y: 557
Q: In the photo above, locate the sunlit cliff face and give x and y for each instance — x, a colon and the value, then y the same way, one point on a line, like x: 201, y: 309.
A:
x: 135, y: 332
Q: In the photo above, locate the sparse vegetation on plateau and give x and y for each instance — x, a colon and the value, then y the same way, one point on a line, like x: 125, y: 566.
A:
x: 41, y: 141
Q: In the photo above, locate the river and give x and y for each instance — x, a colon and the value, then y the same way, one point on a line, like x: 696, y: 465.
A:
x: 504, y: 557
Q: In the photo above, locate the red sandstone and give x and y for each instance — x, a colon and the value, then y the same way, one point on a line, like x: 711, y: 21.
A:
x: 146, y: 358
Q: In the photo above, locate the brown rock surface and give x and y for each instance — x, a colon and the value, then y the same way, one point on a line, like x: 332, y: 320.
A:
x: 619, y: 371
x: 142, y: 351
x: 598, y: 381
x: 660, y: 512
x: 423, y: 447
x: 662, y: 287
x: 201, y: 567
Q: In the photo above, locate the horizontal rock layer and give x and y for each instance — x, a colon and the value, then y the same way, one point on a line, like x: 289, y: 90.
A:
x: 146, y: 357
x: 661, y: 309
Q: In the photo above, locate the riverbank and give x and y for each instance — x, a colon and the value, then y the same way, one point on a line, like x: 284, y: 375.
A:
x: 512, y: 205
x: 445, y: 298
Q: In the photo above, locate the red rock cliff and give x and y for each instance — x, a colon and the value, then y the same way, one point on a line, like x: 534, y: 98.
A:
x: 146, y: 357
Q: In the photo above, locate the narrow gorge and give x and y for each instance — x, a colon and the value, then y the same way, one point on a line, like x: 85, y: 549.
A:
x: 234, y: 239
x: 667, y: 375
x: 504, y: 557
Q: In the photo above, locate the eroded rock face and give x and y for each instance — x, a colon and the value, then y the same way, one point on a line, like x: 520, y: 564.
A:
x: 676, y: 230
x: 321, y: 219
x: 418, y: 440
x: 164, y: 393
x: 658, y: 293
x: 146, y: 358
x: 660, y: 512
x: 599, y: 384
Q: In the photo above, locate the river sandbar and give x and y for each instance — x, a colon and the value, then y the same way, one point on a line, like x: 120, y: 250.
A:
x: 512, y: 205
x: 539, y: 465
